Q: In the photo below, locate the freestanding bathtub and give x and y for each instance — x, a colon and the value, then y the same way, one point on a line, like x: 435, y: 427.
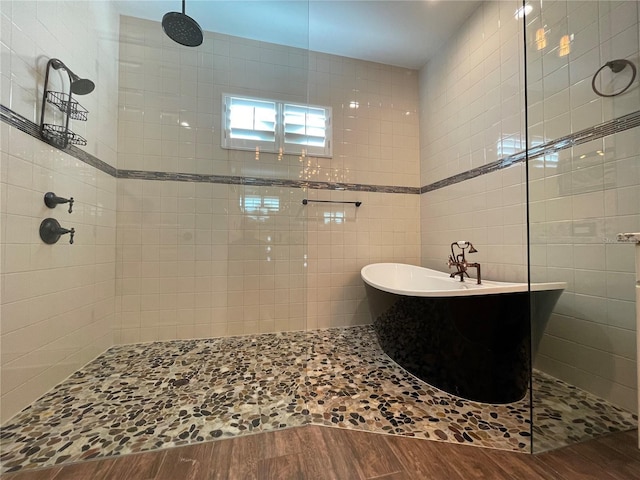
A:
x: 473, y: 341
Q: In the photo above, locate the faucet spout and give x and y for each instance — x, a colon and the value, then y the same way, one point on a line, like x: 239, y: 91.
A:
x: 477, y: 267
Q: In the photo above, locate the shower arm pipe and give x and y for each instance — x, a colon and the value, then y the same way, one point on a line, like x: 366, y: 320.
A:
x: 306, y: 200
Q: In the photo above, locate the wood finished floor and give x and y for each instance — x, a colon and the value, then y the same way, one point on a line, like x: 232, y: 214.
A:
x: 315, y: 452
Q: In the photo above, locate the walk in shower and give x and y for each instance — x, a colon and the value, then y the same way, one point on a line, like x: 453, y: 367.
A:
x: 191, y: 225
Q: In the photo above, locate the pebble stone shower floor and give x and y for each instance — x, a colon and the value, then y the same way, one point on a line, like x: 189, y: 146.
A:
x: 157, y: 395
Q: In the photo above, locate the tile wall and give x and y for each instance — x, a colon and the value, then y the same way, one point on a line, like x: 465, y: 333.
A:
x: 170, y: 104
x: 471, y: 114
x: 193, y: 259
x: 343, y: 240
x: 58, y: 301
x: 582, y: 197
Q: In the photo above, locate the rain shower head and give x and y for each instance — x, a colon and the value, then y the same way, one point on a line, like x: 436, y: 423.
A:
x: 181, y: 28
x: 79, y: 86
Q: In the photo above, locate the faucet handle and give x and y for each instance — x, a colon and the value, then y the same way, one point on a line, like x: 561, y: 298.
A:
x: 463, y: 244
x: 51, y: 231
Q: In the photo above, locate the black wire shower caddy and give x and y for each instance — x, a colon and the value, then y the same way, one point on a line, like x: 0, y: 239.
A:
x: 60, y: 135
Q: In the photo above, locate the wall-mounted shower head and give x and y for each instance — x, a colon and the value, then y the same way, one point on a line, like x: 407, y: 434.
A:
x: 181, y: 28
x: 79, y: 86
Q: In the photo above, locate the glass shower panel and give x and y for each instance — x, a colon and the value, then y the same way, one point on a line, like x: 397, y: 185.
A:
x: 222, y: 232
x: 583, y: 189
x: 220, y: 222
x: 266, y: 242
x: 266, y: 259
x: 266, y: 295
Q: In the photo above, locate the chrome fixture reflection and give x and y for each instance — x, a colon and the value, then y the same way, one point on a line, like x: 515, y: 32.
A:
x: 616, y: 66
x: 181, y: 28
x: 460, y: 262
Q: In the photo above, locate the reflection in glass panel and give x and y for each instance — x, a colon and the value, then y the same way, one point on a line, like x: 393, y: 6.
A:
x: 259, y: 207
x: 333, y: 217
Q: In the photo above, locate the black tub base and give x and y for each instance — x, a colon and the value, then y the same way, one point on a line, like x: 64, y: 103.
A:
x: 476, y: 347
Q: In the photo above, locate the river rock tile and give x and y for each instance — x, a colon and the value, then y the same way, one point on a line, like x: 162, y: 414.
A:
x: 142, y: 397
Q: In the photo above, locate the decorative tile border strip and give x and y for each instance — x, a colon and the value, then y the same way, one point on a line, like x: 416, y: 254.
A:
x: 596, y: 132
x: 179, y: 177
x: 475, y: 172
x: 27, y: 126
x: 262, y: 182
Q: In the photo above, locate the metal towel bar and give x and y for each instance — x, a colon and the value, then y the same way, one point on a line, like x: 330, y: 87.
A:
x: 305, y: 201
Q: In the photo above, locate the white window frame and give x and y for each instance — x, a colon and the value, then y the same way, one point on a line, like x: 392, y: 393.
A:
x: 279, y: 144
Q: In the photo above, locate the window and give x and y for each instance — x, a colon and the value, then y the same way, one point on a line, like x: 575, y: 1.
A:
x: 277, y: 127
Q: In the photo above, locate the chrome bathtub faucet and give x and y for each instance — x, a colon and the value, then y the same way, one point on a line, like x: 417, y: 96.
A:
x: 460, y: 262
